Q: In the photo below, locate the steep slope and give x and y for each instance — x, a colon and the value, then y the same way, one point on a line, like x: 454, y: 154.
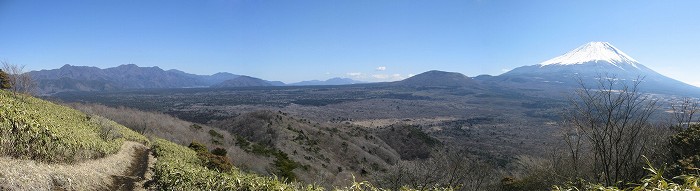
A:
x: 436, y: 78
x: 590, y: 62
x: 593, y: 52
x: 75, y: 151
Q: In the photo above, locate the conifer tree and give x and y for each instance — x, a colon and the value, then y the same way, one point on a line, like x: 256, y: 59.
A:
x: 4, y: 80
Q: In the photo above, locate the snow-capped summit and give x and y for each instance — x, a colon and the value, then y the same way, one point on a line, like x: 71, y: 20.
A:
x: 593, y: 52
x: 587, y: 64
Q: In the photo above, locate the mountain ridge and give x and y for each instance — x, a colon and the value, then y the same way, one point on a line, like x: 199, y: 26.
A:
x: 587, y: 61
x: 127, y: 76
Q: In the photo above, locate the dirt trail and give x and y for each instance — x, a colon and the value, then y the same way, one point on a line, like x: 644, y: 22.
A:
x: 126, y: 170
x: 135, y: 175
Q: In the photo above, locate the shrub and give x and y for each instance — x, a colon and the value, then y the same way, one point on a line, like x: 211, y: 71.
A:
x: 211, y: 161
x: 217, y: 161
x: 219, y: 152
x: 215, y: 134
x: 685, y: 152
x: 198, y: 147
x: 195, y: 127
x: 285, y: 166
x: 655, y: 180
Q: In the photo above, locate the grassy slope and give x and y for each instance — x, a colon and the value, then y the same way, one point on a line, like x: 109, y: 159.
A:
x: 46, y: 146
x: 179, y: 168
x: 36, y: 129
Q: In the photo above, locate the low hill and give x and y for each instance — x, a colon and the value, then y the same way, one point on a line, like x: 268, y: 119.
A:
x: 311, y: 150
x: 242, y: 81
x: 435, y: 78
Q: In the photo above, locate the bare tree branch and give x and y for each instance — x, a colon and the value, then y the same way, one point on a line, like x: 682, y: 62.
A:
x: 614, y: 118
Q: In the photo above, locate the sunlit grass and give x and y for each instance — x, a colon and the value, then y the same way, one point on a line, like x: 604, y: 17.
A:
x: 35, y: 129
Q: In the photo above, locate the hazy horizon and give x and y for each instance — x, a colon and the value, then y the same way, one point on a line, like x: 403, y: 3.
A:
x: 364, y: 40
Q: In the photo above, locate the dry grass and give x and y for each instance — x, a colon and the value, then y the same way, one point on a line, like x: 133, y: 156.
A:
x: 88, y: 175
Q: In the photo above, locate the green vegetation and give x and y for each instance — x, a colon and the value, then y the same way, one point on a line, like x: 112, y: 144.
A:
x: 285, y: 166
x: 195, y: 127
x: 211, y: 160
x: 180, y: 168
x: 655, y: 180
x: 215, y: 137
x: 4, y: 80
x: 215, y: 134
x: 282, y: 162
x: 685, y: 153
x: 219, y: 151
x: 32, y: 128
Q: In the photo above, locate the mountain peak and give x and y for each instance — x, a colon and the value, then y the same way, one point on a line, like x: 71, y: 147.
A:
x: 593, y: 52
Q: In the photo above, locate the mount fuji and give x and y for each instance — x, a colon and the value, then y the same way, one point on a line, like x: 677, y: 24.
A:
x: 589, y: 62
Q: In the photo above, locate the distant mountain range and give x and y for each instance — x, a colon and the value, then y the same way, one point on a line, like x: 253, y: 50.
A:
x: 587, y: 62
x: 130, y: 76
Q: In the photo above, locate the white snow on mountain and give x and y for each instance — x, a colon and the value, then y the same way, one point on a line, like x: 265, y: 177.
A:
x: 593, y: 52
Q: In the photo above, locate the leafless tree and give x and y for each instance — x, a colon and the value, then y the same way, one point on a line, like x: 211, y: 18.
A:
x: 614, y: 119
x: 684, y: 111
x: 20, y: 81
x: 574, y: 140
x: 444, y: 169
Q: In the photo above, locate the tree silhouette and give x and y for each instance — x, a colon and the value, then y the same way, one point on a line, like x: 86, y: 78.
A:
x: 4, y: 80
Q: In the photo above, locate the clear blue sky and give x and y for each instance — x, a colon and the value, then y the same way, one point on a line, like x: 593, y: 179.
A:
x: 303, y: 40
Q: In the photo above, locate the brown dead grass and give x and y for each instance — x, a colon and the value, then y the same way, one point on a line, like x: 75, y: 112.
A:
x: 88, y: 175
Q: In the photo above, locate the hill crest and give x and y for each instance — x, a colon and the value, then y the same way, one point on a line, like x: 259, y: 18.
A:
x: 436, y: 78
